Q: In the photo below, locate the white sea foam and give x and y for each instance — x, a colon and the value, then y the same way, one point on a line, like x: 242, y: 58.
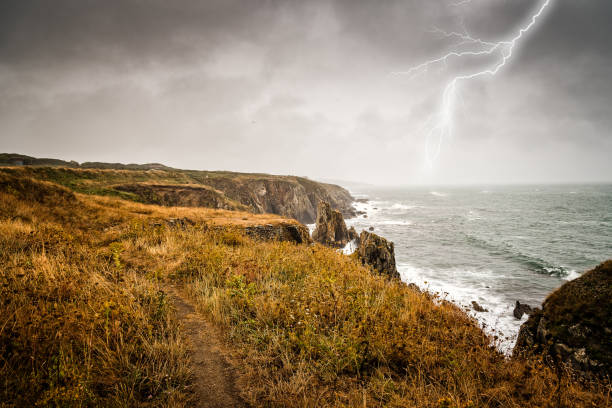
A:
x: 350, y: 247
x: 438, y: 194
x: 462, y: 287
x: 398, y: 206
x: 571, y: 275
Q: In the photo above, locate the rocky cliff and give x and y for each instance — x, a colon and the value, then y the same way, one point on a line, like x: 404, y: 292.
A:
x: 575, y: 324
x: 379, y: 253
x: 372, y: 249
x: 294, y: 197
x: 289, y: 196
x: 330, y: 229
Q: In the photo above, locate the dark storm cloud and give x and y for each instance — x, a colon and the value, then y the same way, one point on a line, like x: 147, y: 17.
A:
x: 304, y: 87
x: 114, y: 31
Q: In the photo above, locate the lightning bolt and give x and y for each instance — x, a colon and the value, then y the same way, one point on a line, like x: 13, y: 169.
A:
x: 440, y: 126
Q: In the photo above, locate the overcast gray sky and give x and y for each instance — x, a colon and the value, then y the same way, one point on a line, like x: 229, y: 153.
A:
x: 307, y: 87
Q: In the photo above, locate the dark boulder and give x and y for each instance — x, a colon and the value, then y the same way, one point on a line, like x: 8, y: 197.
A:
x: 286, y: 232
x: 520, y: 309
x: 330, y: 228
x: 574, y: 326
x: 477, y: 307
x: 379, y: 253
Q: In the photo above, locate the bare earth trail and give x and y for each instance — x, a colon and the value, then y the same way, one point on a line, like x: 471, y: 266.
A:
x: 214, y: 378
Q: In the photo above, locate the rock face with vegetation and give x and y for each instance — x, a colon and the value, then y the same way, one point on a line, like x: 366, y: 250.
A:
x: 298, y: 234
x: 575, y: 324
x: 330, y: 229
x: 379, y: 253
x: 181, y: 196
x: 294, y: 197
x: 289, y: 196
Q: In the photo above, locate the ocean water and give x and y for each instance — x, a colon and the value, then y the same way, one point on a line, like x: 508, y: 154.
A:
x: 492, y: 245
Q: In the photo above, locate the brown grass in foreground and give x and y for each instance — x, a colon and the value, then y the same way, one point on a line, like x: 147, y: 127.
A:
x: 85, y: 319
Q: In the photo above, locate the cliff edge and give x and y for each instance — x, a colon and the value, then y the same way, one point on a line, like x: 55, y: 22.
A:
x: 575, y: 324
x: 154, y: 183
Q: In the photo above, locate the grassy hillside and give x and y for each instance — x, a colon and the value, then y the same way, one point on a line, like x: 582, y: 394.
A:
x: 86, y: 318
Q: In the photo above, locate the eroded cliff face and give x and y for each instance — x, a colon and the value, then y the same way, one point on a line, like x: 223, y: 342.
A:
x: 330, y: 229
x: 180, y: 195
x: 379, y: 253
x: 288, y: 196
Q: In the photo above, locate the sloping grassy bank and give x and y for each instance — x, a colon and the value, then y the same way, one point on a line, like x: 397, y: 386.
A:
x: 316, y: 329
x: 85, y: 319
x: 77, y: 328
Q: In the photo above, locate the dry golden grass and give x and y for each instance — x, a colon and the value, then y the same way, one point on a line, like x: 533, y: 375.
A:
x: 194, y: 214
x: 77, y: 328
x: 316, y: 329
x: 85, y: 321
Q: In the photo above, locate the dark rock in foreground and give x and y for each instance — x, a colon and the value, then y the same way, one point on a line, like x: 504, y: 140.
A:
x: 477, y: 307
x: 520, y: 309
x: 372, y: 249
x: 330, y: 229
x: 281, y: 232
x: 379, y: 253
x: 575, y: 324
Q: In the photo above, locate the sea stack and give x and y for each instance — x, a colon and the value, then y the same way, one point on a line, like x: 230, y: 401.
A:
x: 379, y: 253
x: 330, y: 228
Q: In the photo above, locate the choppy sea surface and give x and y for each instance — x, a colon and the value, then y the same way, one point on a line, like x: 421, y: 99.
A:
x: 492, y: 245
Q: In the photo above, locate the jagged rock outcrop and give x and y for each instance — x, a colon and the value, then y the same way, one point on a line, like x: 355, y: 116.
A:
x: 520, y: 309
x: 476, y: 306
x: 289, y: 196
x: 295, y: 233
x: 330, y: 228
x: 379, y: 253
x: 575, y: 324
x: 352, y: 234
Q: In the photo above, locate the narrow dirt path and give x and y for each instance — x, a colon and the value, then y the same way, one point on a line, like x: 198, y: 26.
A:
x: 214, y: 382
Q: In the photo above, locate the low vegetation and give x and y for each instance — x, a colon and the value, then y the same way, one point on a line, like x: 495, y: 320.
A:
x: 86, y: 319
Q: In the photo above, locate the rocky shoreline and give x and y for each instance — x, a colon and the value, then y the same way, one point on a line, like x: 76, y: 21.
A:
x: 573, y: 329
x: 371, y: 249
